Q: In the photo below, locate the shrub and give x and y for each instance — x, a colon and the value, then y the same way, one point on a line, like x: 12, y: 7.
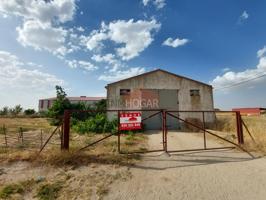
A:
x: 8, y: 190
x: 29, y: 111
x: 4, y: 111
x: 97, y: 124
x: 49, y: 191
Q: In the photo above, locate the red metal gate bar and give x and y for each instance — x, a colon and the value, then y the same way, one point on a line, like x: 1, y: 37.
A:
x: 93, y: 143
x: 151, y: 116
x: 148, y: 151
x: 167, y: 112
x: 49, y: 139
x: 207, y: 149
x: 248, y: 130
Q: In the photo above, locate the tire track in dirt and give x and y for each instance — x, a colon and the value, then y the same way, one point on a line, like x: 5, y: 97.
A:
x: 210, y: 175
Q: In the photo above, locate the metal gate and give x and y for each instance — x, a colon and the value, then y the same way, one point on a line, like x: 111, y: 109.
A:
x: 165, y: 115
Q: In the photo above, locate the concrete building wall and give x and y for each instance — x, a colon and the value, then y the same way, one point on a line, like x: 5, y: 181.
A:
x: 160, y: 80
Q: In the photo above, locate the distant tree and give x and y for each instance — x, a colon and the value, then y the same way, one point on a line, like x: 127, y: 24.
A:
x: 101, y: 105
x: 16, y: 110
x: 61, y: 103
x: 4, y: 111
x: 29, y: 111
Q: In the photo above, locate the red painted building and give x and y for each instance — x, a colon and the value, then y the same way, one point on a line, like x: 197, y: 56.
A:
x: 250, y: 111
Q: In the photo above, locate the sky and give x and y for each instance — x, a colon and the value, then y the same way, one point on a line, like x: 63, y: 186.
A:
x: 83, y: 45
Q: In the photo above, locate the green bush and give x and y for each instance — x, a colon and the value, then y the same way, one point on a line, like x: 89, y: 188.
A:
x: 97, y: 124
x: 29, y: 111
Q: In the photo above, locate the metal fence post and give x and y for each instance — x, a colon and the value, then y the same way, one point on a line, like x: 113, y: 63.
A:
x: 41, y: 139
x: 4, y: 130
x: 204, y: 132
x: 118, y: 131
x: 66, y: 130
x: 240, y: 136
x: 165, y: 131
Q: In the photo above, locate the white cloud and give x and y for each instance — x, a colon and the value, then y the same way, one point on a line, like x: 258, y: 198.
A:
x: 261, y: 52
x: 94, y: 40
x: 19, y: 85
x: 45, y: 11
x: 145, y: 2
x: 42, y: 36
x: 114, y: 64
x: 226, y: 69
x: 122, y: 74
x: 234, y: 78
x: 108, y: 58
x: 41, y: 26
x: 175, y: 43
x: 133, y: 36
x: 157, y: 3
x: 244, y: 16
x: 81, y: 29
x: 81, y: 64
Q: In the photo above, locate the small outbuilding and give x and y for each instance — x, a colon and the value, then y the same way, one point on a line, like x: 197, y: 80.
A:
x: 160, y: 89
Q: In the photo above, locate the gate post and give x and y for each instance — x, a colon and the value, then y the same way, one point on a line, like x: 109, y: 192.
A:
x: 239, y: 127
x: 165, y: 131
x: 118, y: 131
x: 66, y: 130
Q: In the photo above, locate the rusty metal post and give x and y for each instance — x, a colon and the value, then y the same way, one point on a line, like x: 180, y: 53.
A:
x: 240, y: 136
x: 165, y: 131
x: 118, y: 131
x: 41, y: 138
x: 21, y: 135
x: 241, y: 129
x: 66, y: 130
x: 204, y: 132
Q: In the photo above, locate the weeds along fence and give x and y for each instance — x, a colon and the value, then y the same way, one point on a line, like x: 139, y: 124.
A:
x: 28, y: 140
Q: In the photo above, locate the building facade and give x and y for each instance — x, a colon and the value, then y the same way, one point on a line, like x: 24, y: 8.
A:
x: 160, y: 89
x: 45, y: 104
x: 250, y: 111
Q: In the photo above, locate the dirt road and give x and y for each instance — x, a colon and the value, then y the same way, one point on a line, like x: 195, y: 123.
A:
x: 220, y: 174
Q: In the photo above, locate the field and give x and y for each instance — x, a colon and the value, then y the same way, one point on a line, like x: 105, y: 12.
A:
x: 256, y: 126
x: 25, y: 173
x: 28, y: 124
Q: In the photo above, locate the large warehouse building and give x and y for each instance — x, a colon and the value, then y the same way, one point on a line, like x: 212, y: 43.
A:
x: 160, y: 89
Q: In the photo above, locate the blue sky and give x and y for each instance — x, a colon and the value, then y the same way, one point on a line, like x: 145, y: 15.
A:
x: 84, y: 45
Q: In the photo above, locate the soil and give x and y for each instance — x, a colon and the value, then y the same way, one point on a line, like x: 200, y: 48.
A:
x: 208, y: 175
x: 226, y: 174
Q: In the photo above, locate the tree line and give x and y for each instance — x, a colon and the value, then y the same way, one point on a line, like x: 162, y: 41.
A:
x: 16, y: 110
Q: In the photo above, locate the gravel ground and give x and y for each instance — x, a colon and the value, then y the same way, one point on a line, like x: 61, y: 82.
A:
x: 209, y: 175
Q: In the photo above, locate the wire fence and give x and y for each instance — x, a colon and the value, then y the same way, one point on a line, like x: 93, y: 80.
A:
x: 28, y: 140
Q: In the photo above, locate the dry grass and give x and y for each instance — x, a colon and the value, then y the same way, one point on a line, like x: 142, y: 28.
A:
x: 256, y: 125
x: 105, y: 152
x: 28, y: 124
